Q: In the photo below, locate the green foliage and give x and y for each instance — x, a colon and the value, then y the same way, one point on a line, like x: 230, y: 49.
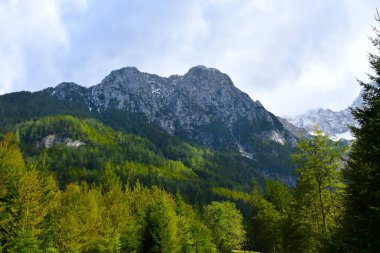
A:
x: 266, y: 227
x: 226, y: 225
x: 319, y: 189
x: 20, y: 106
x: 12, y: 167
x: 278, y: 194
x: 360, y: 230
x: 78, y: 218
x: 194, y: 234
x: 268, y: 214
x: 29, y: 211
x: 230, y: 194
x: 25, y: 202
x: 161, y: 234
x: 36, y: 216
x: 172, y: 164
x: 307, y: 217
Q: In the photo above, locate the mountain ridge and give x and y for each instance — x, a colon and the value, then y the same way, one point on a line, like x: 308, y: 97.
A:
x: 202, y: 106
x: 334, y: 123
x: 178, y: 103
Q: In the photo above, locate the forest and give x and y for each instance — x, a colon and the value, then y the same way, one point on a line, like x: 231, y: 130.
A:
x: 106, y: 208
x: 110, y: 216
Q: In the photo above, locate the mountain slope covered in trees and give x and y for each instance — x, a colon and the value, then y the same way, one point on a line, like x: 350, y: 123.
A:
x: 78, y: 149
x: 36, y: 216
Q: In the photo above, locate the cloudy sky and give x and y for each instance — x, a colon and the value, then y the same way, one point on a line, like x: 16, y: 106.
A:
x: 292, y: 55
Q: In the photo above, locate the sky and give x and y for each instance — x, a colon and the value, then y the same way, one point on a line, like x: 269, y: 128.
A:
x: 292, y: 55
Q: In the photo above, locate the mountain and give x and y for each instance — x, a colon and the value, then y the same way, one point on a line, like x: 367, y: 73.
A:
x: 334, y: 123
x: 202, y: 107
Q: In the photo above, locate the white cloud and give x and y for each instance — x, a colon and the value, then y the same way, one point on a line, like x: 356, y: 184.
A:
x: 327, y: 75
x: 292, y: 55
x: 78, y: 5
x: 295, y: 55
x: 31, y: 33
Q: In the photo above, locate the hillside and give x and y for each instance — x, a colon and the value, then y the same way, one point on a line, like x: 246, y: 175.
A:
x: 79, y: 149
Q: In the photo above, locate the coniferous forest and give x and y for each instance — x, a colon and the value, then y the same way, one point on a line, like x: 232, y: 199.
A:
x: 72, y: 183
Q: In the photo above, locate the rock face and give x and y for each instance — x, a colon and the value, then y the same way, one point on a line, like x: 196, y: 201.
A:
x: 203, y: 105
x: 334, y: 123
x: 296, y: 131
x: 51, y: 140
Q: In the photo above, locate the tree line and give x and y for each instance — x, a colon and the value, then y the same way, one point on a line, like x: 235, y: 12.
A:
x: 36, y: 216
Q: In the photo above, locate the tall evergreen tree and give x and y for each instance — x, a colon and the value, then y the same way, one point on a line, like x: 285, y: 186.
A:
x: 363, y: 172
x: 12, y: 167
x: 29, y: 212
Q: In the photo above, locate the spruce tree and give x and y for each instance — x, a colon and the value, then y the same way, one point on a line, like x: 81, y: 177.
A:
x: 363, y: 172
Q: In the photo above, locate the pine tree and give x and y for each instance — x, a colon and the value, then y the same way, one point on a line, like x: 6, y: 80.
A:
x: 30, y: 213
x: 363, y: 172
x: 12, y: 167
x: 117, y: 221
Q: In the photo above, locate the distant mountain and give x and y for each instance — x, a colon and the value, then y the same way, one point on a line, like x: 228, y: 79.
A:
x: 202, y: 107
x: 334, y: 123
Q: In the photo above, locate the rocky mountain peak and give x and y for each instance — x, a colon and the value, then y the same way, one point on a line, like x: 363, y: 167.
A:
x: 68, y: 86
x: 125, y: 70
x: 123, y: 76
x: 68, y: 89
x: 203, y: 105
x: 200, y: 69
x: 203, y: 76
